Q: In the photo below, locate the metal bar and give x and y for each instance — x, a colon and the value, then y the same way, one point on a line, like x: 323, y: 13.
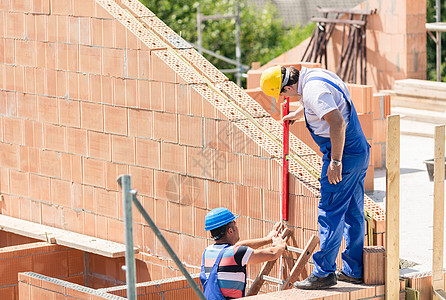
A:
x: 200, y: 40
x: 229, y: 70
x: 365, y: 54
x: 346, y: 11
x: 238, y: 48
x: 294, y: 249
x: 223, y: 58
x: 130, y: 269
x: 308, y: 46
x: 218, y: 17
x: 272, y: 279
x: 286, y: 151
x: 166, y: 245
x: 338, y: 71
x: 338, y: 21
x: 432, y: 36
x: 437, y: 26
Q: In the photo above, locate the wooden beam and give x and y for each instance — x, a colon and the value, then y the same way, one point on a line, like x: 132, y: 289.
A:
x: 392, y: 206
x: 62, y: 237
x: 438, y: 235
x: 339, y: 21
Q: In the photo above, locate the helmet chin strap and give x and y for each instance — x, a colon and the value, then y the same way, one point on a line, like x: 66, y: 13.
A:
x: 285, y: 80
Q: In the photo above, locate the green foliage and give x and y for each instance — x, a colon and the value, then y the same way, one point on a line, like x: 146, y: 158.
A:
x: 431, y: 47
x: 262, y: 34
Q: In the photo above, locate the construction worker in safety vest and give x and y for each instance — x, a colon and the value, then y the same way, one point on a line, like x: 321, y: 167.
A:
x: 223, y: 266
x: 331, y: 118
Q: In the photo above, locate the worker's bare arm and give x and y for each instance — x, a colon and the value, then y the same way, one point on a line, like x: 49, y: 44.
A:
x: 257, y: 243
x: 271, y: 253
x: 337, y: 138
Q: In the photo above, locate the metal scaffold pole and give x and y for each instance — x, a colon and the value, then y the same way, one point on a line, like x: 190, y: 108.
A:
x: 129, y: 196
x: 130, y: 272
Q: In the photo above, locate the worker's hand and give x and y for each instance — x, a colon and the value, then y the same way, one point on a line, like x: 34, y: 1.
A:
x: 279, y: 243
x: 334, y: 173
x: 292, y: 116
x: 278, y: 227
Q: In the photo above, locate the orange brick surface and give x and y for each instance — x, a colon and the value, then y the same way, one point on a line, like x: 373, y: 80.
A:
x: 92, y: 93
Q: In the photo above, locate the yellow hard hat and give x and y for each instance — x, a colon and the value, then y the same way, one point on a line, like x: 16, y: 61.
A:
x: 271, y: 81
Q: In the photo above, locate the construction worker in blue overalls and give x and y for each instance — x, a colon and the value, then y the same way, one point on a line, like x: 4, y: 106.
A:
x: 223, y: 267
x: 331, y: 118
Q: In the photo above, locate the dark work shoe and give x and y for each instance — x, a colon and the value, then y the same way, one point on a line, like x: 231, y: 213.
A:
x: 315, y: 283
x: 341, y: 276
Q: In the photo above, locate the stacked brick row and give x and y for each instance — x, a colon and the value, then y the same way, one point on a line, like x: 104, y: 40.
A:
x: 381, y: 109
x: 36, y: 286
x: 51, y: 260
x: 90, y: 91
x: 173, y: 288
x: 421, y: 282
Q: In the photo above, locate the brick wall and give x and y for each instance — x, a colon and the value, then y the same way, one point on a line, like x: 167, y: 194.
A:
x: 47, y: 259
x: 88, y: 93
x: 173, y: 288
x: 8, y: 239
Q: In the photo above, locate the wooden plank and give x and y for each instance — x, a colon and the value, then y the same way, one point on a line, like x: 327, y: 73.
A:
x: 338, y: 21
x: 301, y: 262
x: 421, y: 88
x: 438, y: 236
x: 62, y: 237
x: 418, y: 103
x: 392, y: 206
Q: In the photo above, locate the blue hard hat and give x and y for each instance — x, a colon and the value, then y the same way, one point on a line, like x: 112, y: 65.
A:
x: 218, y: 217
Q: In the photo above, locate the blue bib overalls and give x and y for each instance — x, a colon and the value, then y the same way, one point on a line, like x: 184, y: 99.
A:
x: 211, y: 289
x: 341, y: 207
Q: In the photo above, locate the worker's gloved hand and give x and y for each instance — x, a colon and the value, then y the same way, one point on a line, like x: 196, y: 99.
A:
x: 334, y: 173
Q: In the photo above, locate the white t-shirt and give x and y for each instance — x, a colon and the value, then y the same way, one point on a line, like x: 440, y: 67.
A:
x: 320, y: 98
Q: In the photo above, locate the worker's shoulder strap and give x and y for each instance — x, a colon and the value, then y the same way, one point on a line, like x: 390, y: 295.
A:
x: 330, y: 83
x: 217, y: 261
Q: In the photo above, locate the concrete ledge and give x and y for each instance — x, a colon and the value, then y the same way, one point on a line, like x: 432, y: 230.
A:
x: 62, y: 237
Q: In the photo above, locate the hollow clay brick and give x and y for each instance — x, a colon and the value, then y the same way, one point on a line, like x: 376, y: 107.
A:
x: 374, y: 265
x: 49, y: 163
x: 30, y: 81
x: 93, y: 172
